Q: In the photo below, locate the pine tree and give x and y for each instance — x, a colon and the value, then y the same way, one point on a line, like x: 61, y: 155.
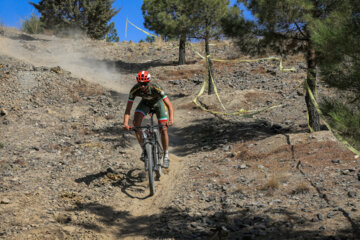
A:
x: 171, y: 18
x: 112, y: 35
x: 182, y: 19
x: 97, y: 14
x: 286, y: 26
x: 51, y: 13
x: 337, y: 40
x: 207, y: 19
x: 32, y: 25
x: 89, y: 16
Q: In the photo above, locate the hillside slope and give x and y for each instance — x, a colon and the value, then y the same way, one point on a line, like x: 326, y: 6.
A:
x: 69, y: 171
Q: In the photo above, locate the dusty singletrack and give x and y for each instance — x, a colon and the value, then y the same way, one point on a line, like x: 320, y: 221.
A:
x: 69, y: 171
x: 132, y: 198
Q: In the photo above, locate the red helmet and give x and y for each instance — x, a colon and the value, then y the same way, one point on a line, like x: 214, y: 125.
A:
x: 143, y: 76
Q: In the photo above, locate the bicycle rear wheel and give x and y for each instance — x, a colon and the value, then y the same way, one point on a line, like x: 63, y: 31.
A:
x: 150, y: 160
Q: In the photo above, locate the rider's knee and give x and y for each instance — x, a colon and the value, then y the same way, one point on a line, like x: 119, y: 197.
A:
x: 138, y: 119
x: 164, y: 129
x: 137, y: 123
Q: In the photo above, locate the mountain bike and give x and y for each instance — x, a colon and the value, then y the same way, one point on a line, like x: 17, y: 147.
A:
x: 153, y: 151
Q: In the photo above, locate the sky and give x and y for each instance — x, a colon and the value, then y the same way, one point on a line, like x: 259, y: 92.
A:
x: 13, y: 11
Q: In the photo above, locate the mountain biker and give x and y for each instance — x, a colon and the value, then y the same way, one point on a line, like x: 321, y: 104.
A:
x: 153, y: 96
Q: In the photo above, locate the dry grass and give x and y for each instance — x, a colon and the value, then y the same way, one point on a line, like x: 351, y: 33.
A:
x: 180, y: 74
x: 259, y: 70
x: 224, y: 65
x: 301, y: 188
x: 62, y: 218
x: 68, y: 195
x: 272, y: 184
x: 159, y: 39
x: 279, y: 176
x: 71, y: 197
x: 81, y: 89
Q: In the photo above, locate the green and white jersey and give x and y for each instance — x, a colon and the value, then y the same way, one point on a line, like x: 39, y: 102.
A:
x: 150, y: 96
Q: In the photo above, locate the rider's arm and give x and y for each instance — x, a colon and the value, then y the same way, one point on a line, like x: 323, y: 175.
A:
x: 127, y: 115
x: 170, y: 109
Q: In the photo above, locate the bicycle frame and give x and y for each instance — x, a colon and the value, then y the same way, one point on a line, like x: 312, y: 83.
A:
x: 150, y: 135
x: 153, y: 147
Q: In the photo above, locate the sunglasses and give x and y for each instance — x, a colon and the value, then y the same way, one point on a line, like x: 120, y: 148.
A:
x: 143, y: 84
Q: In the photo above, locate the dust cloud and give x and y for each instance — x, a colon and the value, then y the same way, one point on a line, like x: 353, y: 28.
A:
x: 78, y: 56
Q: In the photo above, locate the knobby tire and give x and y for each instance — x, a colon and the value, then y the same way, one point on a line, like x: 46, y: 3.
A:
x: 160, y: 150
x: 158, y: 154
x: 148, y: 148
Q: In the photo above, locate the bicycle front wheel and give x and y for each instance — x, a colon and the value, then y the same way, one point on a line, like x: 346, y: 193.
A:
x: 150, y: 160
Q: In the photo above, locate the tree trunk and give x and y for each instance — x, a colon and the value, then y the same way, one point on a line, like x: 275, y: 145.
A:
x: 182, y: 48
x: 210, y: 68
x: 314, y: 119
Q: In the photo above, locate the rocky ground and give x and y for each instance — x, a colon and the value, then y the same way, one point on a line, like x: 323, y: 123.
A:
x: 69, y: 171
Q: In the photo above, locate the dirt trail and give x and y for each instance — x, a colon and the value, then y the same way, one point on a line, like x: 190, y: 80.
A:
x: 136, y: 203
x: 70, y: 172
x: 140, y: 204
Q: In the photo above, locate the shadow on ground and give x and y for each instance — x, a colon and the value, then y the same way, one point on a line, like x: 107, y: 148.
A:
x: 179, y: 224
x: 131, y: 181
x: 213, y: 133
x: 130, y: 67
x: 25, y: 37
x: 204, y: 135
x: 118, y: 97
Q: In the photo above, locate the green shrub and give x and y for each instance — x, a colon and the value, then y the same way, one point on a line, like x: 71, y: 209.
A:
x: 150, y: 39
x: 32, y: 25
x: 343, y: 119
x: 1, y: 145
x: 112, y: 35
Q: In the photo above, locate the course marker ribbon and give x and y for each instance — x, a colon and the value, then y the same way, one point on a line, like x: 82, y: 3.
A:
x: 127, y: 20
x: 280, y: 59
x: 243, y: 112
x: 341, y: 139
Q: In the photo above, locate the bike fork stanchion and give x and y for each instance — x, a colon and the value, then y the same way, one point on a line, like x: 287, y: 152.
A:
x: 149, y: 147
x: 153, y: 152
x: 157, y: 166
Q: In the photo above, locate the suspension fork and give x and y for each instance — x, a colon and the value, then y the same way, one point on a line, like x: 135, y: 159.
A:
x: 154, y: 143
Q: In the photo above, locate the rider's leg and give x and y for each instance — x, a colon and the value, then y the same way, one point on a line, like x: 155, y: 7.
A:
x: 164, y: 137
x: 162, y: 116
x: 140, y: 112
x: 138, y: 117
x: 165, y: 143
